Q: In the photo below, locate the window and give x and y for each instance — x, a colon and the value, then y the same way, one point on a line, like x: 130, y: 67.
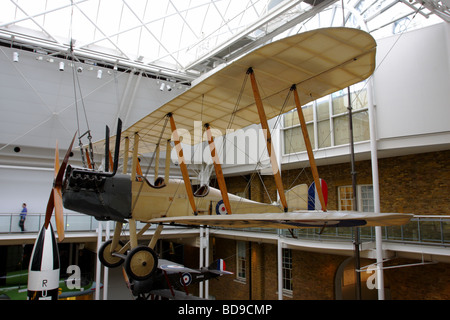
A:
x: 360, y: 128
x: 323, y: 122
x: 327, y: 121
x: 358, y: 95
x: 365, y: 198
x: 241, y: 261
x: 287, y: 271
x: 346, y: 198
x: 293, y: 138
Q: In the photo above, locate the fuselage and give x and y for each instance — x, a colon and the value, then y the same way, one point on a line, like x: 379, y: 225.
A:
x: 116, y: 197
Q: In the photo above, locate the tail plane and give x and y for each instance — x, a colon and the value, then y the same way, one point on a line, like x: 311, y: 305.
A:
x: 218, y: 267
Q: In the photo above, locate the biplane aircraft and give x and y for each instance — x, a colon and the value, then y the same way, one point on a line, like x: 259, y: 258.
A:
x: 172, y: 280
x: 307, y: 66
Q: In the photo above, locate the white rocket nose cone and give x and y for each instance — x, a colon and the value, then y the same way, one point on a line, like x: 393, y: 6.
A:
x: 43, y: 271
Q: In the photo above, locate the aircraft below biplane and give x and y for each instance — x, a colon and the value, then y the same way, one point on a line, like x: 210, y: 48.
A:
x: 172, y: 281
x: 306, y: 67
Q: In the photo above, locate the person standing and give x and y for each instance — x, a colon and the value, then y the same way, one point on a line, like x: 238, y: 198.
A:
x: 23, y: 216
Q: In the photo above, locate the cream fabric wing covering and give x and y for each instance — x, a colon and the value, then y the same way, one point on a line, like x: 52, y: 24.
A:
x: 319, y: 62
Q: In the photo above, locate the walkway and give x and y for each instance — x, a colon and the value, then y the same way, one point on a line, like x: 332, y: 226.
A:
x: 425, y: 237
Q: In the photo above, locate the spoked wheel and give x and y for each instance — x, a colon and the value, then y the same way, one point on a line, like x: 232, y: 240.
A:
x: 105, y: 256
x: 141, y: 262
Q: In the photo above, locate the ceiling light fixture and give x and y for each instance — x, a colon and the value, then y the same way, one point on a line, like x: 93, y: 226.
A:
x: 15, y: 56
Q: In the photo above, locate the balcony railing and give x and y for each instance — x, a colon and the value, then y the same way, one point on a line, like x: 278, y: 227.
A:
x: 426, y: 229
x: 76, y: 222
x: 423, y: 229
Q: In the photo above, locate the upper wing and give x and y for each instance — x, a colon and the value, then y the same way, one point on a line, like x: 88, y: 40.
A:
x: 292, y: 220
x: 319, y: 62
x: 172, y: 267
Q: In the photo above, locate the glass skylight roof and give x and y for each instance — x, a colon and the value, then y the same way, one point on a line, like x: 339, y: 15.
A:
x: 188, y: 37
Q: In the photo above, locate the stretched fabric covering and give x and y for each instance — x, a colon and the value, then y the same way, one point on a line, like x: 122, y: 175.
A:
x: 319, y: 62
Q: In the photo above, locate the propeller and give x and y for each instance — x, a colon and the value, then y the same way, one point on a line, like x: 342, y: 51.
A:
x: 55, y: 199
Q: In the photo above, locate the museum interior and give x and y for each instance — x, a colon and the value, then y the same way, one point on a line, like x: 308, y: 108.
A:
x: 89, y: 71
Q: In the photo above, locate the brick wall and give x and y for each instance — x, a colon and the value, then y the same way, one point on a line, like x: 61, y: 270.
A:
x: 416, y: 183
x: 314, y: 276
x: 227, y: 287
x: 424, y: 282
x: 313, y: 273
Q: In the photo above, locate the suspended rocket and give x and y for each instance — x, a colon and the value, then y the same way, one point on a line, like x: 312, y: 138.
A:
x: 43, y: 271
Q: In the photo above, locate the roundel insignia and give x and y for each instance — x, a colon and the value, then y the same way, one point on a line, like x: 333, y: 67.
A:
x: 220, y: 208
x: 186, y: 279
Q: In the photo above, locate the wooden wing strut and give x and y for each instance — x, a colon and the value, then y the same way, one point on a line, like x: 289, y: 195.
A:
x: 157, y: 162
x: 182, y: 163
x: 265, y: 126
x: 167, y: 163
x: 312, y: 161
x: 125, y: 156
x: 135, y: 160
x: 218, y: 169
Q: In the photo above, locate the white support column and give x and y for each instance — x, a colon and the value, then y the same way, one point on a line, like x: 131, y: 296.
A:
x: 201, y: 262
x: 206, y: 260
x: 376, y: 190
x: 106, y: 269
x: 99, y: 265
x: 280, y: 266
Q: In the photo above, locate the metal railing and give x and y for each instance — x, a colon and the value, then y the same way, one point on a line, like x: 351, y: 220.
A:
x: 76, y: 222
x: 424, y: 229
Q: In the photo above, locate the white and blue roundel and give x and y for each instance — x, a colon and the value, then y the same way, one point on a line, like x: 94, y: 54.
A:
x: 220, y: 208
x: 186, y: 278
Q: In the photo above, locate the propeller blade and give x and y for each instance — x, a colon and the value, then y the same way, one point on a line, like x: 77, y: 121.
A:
x: 59, y: 217
x: 59, y: 176
x: 55, y: 199
x: 127, y: 280
x: 49, y: 211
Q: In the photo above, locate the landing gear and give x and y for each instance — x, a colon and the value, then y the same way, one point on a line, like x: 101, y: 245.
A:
x: 106, y: 256
x: 141, y: 262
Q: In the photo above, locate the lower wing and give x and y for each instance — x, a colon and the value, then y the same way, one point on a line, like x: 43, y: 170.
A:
x: 292, y: 220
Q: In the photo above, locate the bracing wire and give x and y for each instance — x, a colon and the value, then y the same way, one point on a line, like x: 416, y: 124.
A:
x: 76, y: 83
x: 151, y: 161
